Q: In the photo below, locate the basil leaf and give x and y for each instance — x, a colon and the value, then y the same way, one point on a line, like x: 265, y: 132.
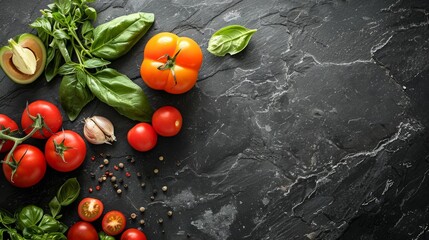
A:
x: 68, y: 68
x: 104, y: 236
x: 118, y: 91
x: 95, y: 63
x: 230, y: 39
x: 60, y: 34
x: 29, y: 216
x: 53, y: 62
x: 54, y: 207
x: 63, y: 5
x: 115, y: 38
x: 68, y: 192
x: 6, y: 218
x: 91, y: 13
x: 13, y: 234
x: 74, y: 94
x: 49, y: 224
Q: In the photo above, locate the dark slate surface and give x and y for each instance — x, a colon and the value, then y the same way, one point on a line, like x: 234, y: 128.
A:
x: 318, y: 130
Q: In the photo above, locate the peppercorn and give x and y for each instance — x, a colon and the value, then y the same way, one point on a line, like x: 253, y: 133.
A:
x: 115, y: 186
x: 133, y: 216
x: 164, y: 188
x: 90, y: 190
x: 139, y: 175
x: 113, y: 179
x: 142, y: 222
x: 161, y: 158
x: 156, y: 171
x: 152, y: 198
x: 142, y: 184
x: 160, y: 221
x: 170, y: 213
x: 119, y: 191
x: 142, y: 209
x: 106, y: 161
x: 121, y: 165
x: 126, y: 186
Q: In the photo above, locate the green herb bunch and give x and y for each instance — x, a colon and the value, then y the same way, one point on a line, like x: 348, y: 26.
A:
x: 81, y: 53
x: 31, y: 222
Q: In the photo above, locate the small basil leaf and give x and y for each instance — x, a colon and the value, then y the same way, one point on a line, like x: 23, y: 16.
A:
x: 53, y: 63
x: 116, y: 37
x: 6, y: 218
x: 77, y: 14
x: 230, y: 39
x: 68, y: 68
x: 68, y: 192
x: 74, y: 94
x: 91, y: 13
x: 63, y: 5
x: 54, y: 207
x: 12, y: 233
x: 60, y: 34
x: 49, y: 224
x: 95, y: 63
x: 29, y: 216
x: 87, y: 28
x: 104, y: 236
x: 118, y: 91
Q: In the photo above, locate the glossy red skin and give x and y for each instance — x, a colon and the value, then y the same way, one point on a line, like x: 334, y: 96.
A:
x: 133, y: 234
x: 82, y: 231
x: 7, y: 122
x: 74, y: 156
x: 51, y: 116
x: 142, y: 137
x: 98, y: 209
x: 167, y: 121
x: 31, y: 169
x: 113, y: 223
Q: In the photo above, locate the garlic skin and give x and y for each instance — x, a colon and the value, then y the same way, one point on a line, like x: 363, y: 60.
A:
x: 99, y: 130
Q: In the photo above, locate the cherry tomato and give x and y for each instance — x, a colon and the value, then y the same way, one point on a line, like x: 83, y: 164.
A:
x: 82, y: 231
x: 167, y: 121
x: 142, y: 137
x: 65, y: 151
x: 7, y: 123
x: 113, y: 223
x: 90, y: 209
x: 29, y: 164
x: 52, y: 118
x: 133, y: 234
x: 171, y: 63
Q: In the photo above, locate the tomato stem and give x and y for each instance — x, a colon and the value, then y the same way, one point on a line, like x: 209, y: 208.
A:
x: 169, y: 65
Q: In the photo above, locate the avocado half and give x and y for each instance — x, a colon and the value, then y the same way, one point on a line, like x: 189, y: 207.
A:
x: 32, y: 42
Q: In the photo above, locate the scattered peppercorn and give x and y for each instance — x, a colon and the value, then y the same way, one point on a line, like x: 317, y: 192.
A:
x: 170, y: 213
x: 116, y: 168
x: 133, y: 160
x: 119, y: 191
x: 110, y: 174
x: 133, y: 216
x: 90, y: 190
x: 139, y: 175
x: 152, y: 198
x: 106, y: 161
x: 142, y: 209
x: 126, y: 186
x: 104, y: 178
x: 161, y: 158
x: 113, y: 179
x: 142, y: 222
x: 156, y: 171
x: 128, y: 174
x: 101, y: 166
x: 164, y: 188
x: 100, y: 179
x: 115, y: 186
x: 121, y: 165
x: 98, y: 187
x: 142, y: 184
x: 160, y: 221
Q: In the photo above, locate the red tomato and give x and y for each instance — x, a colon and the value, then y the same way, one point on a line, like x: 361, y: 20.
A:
x: 167, y: 121
x: 90, y: 209
x: 30, y: 166
x: 7, y: 123
x: 82, y: 231
x: 133, y: 234
x: 142, y: 137
x: 171, y: 63
x: 113, y: 223
x: 52, y: 118
x: 65, y: 151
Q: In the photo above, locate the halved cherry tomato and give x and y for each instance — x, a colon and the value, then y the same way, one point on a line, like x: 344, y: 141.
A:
x: 7, y: 123
x: 167, y: 121
x: 113, y: 223
x: 65, y: 151
x: 82, y: 231
x: 52, y: 118
x: 26, y: 167
x: 171, y: 63
x: 90, y: 209
x: 142, y: 137
x: 133, y: 234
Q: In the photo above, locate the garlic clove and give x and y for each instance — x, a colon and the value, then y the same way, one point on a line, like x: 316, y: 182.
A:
x: 99, y: 130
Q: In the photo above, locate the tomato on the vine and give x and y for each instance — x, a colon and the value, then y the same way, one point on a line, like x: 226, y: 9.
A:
x: 142, y: 137
x: 171, y: 63
x: 133, y: 234
x: 26, y: 167
x: 65, y: 151
x: 7, y: 123
x: 167, y: 121
x: 90, y: 209
x: 52, y: 118
x: 113, y: 223
x: 82, y: 231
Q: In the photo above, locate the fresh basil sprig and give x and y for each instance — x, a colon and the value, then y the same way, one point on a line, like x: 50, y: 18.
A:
x: 32, y: 223
x: 81, y: 53
x: 230, y: 39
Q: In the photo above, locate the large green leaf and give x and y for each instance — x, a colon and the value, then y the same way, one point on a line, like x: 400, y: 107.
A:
x: 118, y: 91
x: 230, y: 39
x: 116, y: 37
x: 74, y: 94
